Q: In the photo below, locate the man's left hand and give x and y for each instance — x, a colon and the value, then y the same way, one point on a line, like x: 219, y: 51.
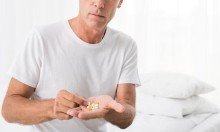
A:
x: 105, y: 104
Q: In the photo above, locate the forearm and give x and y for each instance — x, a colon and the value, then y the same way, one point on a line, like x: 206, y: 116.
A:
x: 18, y: 109
x: 122, y: 120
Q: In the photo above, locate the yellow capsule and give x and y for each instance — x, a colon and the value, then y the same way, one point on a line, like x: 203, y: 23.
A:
x: 94, y: 105
x: 89, y: 107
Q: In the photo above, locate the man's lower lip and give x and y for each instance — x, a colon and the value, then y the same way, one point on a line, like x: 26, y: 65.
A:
x: 97, y: 15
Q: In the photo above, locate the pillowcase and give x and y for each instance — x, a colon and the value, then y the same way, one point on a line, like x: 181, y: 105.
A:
x: 155, y: 105
x: 173, y: 85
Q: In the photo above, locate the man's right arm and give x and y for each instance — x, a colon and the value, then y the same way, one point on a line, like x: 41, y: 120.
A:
x: 19, y: 108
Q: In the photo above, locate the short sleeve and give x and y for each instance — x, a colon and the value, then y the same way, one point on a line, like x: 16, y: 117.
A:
x: 129, y: 72
x: 27, y: 65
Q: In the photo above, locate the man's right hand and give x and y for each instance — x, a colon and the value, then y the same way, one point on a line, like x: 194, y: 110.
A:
x: 19, y: 108
x: 65, y: 101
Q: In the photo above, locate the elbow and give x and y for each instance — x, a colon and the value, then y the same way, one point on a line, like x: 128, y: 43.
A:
x: 5, y: 114
x: 6, y: 111
x: 125, y: 125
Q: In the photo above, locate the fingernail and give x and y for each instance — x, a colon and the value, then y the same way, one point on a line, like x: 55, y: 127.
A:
x: 85, y: 103
x: 69, y: 112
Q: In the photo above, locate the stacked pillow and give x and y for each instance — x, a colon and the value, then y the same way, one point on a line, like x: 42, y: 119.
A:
x: 173, y: 95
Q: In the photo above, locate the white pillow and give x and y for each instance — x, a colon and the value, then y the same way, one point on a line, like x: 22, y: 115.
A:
x: 173, y: 85
x: 155, y: 105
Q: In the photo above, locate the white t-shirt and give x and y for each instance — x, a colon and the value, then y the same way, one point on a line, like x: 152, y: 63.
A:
x: 54, y: 58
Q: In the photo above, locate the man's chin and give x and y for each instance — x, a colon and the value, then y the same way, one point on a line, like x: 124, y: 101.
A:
x: 97, y: 25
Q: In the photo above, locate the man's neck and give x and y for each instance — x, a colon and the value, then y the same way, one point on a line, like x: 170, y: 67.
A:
x: 85, y: 33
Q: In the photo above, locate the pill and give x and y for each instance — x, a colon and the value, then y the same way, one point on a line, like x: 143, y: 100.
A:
x: 92, y: 106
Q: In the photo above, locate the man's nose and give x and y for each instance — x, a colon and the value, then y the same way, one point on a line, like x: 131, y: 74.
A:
x: 99, y: 3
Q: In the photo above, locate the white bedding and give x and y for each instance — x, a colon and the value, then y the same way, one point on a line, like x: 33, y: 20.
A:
x: 192, y: 123
x: 212, y: 124
x: 155, y: 105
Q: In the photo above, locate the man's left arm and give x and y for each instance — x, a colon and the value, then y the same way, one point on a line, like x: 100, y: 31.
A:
x: 125, y: 95
x: 119, y: 112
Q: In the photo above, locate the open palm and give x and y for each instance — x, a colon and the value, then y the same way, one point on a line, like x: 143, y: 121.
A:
x: 106, y: 103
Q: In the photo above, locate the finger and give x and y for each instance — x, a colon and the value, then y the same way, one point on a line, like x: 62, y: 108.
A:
x: 61, y: 108
x: 75, y: 98
x: 91, y: 114
x: 63, y: 116
x: 69, y: 104
x: 116, y: 106
x: 74, y: 112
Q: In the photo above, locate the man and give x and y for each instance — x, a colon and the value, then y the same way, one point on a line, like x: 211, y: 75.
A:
x: 67, y: 65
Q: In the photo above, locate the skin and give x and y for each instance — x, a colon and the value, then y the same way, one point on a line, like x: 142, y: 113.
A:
x: 120, y: 111
x: 17, y: 101
x: 93, y: 17
x: 90, y: 26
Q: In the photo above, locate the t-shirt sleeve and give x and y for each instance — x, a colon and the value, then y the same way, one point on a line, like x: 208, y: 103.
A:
x: 129, y: 72
x: 27, y: 65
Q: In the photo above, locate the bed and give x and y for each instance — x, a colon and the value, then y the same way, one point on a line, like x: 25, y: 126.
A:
x: 152, y: 123
x: 171, y: 102
x: 211, y: 124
